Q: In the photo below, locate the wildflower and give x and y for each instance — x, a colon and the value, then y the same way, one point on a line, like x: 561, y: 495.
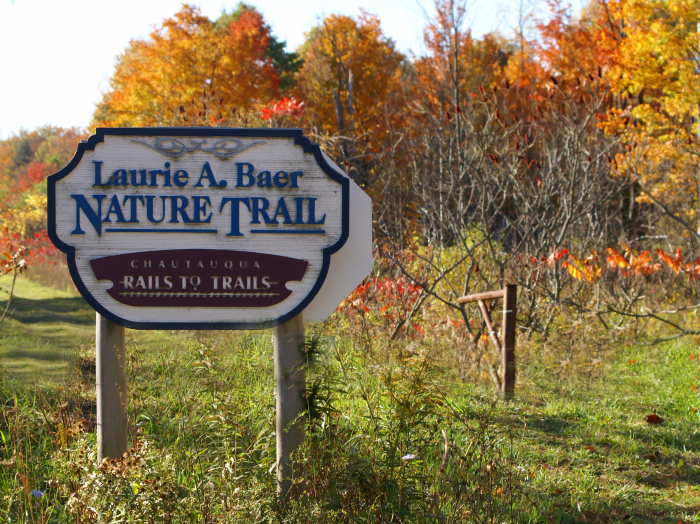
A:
x: 410, y: 456
x: 37, y: 493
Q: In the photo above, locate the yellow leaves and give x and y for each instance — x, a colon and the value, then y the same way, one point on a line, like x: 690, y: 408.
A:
x: 583, y: 268
x: 573, y: 268
x: 657, y: 49
x: 30, y: 216
x: 654, y: 67
x: 614, y: 122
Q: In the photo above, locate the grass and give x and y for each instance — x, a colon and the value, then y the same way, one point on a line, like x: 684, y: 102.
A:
x: 591, y: 449
x: 573, y: 446
x: 38, y: 341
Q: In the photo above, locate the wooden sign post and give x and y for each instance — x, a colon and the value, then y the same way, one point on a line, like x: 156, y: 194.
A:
x: 290, y: 380
x: 208, y: 228
x: 110, y: 376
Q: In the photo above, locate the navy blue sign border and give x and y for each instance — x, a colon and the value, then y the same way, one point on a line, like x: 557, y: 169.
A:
x: 299, y: 139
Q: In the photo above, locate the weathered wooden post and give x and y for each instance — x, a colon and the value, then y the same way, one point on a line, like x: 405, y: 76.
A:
x: 208, y: 228
x: 290, y: 381
x: 510, y: 310
x: 111, y: 389
x: 506, y: 351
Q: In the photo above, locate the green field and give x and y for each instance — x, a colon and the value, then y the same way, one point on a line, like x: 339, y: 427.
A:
x: 572, y: 447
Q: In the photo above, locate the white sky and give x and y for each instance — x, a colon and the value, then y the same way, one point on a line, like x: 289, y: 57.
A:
x: 56, y: 56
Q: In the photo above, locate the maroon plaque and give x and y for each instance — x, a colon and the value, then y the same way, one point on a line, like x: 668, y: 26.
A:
x: 199, y: 278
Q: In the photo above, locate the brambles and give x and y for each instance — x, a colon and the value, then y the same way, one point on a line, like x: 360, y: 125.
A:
x: 48, y: 264
x: 13, y: 262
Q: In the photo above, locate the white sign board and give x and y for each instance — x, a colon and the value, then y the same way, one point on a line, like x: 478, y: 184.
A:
x: 209, y: 228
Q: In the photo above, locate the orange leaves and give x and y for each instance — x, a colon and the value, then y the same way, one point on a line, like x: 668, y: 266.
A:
x: 628, y: 265
x: 192, y: 71
x: 643, y: 264
x: 247, y: 65
x: 653, y: 419
x: 578, y: 268
x: 692, y: 269
x: 634, y: 264
x: 365, y: 66
x: 13, y: 260
x: 616, y: 260
x: 673, y: 263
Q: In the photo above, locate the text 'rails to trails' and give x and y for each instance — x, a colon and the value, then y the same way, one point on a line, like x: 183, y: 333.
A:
x: 216, y: 228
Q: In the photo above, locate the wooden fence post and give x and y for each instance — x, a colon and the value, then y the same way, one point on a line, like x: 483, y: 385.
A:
x: 510, y: 309
x: 111, y: 389
x: 509, y: 293
x: 290, y: 382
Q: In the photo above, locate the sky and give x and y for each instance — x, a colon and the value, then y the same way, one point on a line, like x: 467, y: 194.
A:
x: 57, y: 57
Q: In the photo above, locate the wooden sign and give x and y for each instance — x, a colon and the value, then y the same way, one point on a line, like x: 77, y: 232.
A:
x: 208, y: 228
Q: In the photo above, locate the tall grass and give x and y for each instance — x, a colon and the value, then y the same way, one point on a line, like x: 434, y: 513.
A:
x: 388, y: 440
x: 402, y: 430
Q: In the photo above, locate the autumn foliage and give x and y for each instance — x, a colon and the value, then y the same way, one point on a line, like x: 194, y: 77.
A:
x: 564, y: 159
x: 193, y: 71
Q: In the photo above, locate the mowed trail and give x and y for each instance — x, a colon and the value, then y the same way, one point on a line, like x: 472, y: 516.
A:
x: 39, y: 340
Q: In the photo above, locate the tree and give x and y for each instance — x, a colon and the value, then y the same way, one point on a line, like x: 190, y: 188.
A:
x: 192, y: 71
x: 349, y: 76
x: 572, y: 47
x: 657, y: 79
x: 288, y: 63
x: 26, y: 159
